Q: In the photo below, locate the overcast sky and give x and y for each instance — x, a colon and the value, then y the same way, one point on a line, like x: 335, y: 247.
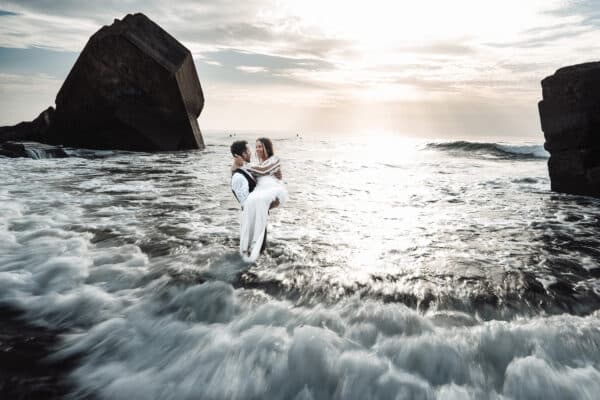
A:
x: 461, y: 68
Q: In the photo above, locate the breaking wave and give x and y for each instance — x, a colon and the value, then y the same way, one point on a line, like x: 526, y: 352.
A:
x: 408, y: 283
x: 495, y: 150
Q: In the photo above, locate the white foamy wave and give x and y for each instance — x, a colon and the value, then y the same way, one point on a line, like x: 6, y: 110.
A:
x: 497, y: 150
x: 135, y: 257
x: 55, y: 276
x: 88, y: 153
x: 534, y: 377
x: 208, y: 341
x: 536, y: 151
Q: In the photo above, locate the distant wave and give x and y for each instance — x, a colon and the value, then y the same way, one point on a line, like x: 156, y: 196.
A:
x: 497, y: 150
x: 89, y: 153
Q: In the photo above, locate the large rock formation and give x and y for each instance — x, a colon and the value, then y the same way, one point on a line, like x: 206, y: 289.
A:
x: 570, y: 117
x: 36, y: 130
x: 133, y: 87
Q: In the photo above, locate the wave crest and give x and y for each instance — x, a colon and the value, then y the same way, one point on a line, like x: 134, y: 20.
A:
x: 495, y: 150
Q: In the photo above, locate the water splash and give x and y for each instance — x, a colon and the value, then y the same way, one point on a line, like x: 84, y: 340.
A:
x: 423, y: 276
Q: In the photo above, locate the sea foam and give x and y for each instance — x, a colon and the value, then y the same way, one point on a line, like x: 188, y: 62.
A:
x: 401, y: 282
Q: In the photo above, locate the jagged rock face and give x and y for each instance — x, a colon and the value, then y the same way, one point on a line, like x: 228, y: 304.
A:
x: 133, y: 87
x: 36, y: 130
x: 570, y: 118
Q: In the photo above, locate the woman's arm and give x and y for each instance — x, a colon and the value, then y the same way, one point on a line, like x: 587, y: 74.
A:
x: 238, y: 162
x: 266, y: 168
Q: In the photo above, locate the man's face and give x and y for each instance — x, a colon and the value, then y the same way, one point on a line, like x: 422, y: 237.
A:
x: 247, y: 155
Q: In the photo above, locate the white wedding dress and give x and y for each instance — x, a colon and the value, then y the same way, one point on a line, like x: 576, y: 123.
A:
x: 256, y: 207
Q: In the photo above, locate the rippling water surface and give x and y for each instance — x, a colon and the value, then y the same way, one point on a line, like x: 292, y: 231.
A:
x: 398, y: 269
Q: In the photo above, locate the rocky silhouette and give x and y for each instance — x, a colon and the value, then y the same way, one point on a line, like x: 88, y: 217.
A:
x: 36, y: 130
x: 133, y: 87
x: 570, y: 118
x: 33, y: 150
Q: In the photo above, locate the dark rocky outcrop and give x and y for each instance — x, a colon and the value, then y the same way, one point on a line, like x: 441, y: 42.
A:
x: 133, y: 87
x: 36, y: 130
x: 570, y: 118
x: 32, y: 150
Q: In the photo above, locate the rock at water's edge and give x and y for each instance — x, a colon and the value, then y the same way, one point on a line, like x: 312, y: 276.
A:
x: 133, y: 87
x: 36, y: 130
x: 32, y: 150
x: 570, y: 119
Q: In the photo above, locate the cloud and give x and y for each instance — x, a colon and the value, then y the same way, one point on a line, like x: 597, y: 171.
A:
x: 250, y: 69
x: 440, y: 48
x: 587, y: 10
x: 25, y: 30
x: 332, y: 52
x: 545, y: 36
x: 23, y: 97
x: 36, y: 61
x: 234, y: 57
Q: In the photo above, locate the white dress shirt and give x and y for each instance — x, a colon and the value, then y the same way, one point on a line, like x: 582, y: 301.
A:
x: 239, y: 185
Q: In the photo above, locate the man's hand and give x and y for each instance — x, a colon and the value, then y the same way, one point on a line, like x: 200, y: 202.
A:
x: 237, y: 163
x: 274, y: 204
x: 278, y: 176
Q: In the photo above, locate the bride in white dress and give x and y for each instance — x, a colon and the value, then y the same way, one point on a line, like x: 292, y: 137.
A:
x: 268, y: 189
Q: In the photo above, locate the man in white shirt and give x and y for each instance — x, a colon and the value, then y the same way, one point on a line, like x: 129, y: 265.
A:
x: 242, y: 181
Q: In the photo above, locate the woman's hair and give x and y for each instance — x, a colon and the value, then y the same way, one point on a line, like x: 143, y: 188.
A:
x: 267, y: 145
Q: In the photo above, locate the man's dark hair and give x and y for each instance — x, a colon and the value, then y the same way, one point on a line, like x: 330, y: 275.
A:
x: 237, y: 148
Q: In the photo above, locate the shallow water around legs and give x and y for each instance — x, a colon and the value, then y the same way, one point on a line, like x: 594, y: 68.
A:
x: 397, y: 269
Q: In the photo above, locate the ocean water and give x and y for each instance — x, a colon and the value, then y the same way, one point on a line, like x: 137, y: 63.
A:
x: 399, y: 269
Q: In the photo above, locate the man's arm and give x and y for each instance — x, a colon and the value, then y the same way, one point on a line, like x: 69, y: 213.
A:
x: 240, y: 188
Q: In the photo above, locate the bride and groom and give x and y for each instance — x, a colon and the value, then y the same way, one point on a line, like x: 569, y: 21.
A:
x: 258, y: 188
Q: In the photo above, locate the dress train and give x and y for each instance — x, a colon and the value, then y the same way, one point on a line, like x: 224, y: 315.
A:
x: 255, y: 213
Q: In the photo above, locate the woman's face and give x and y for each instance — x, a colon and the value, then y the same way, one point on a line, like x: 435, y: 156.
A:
x: 260, y: 150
